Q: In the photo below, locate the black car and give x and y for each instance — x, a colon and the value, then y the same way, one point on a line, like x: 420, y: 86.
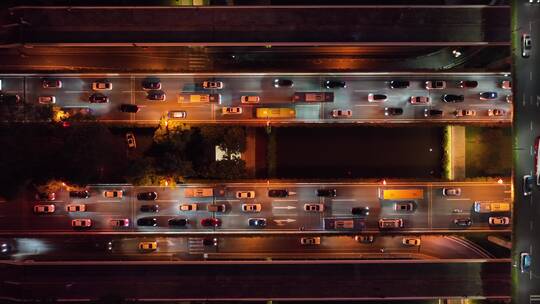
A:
x: 147, y: 196
x: 453, y: 98
x: 399, y: 84
x: 335, y: 84
x: 149, y: 208
x: 156, y: 95
x: 393, y: 111
x: 210, y: 241
x: 178, y: 222
x: 488, y: 95
x: 468, y: 84
x: 151, y: 84
x: 257, y: 222
x: 433, y: 113
x: 327, y: 192
x: 129, y: 108
x: 51, y: 84
x: 147, y: 221
x: 463, y: 222
x: 9, y: 99
x: 79, y: 194
x: 360, y: 211
x: 278, y: 193
x: 98, y: 98
x: 283, y: 83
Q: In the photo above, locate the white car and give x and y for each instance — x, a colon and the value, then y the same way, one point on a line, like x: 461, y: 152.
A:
x: 148, y: 246
x: 435, y: 85
x: 506, y: 84
x: 509, y: 98
x: 526, y: 45
x: 102, y: 86
x: 44, y: 208
x: 245, y: 194
x: 212, y: 85
x: 188, y: 207
x: 310, y: 240
x: 451, y: 191
x: 339, y: 113
x: 377, y: 97
x: 496, y: 112
x: 231, y: 110
x: 47, y: 99
x: 113, y: 193
x: 177, y: 114
x: 251, y: 207
x: 81, y: 223
x: 419, y: 99
x: 76, y: 208
x: 314, y: 207
x: 411, y: 241
x: 499, y: 220
x: 250, y: 99
x: 460, y: 113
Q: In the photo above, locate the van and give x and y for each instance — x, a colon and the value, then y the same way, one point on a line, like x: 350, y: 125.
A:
x: 387, y: 223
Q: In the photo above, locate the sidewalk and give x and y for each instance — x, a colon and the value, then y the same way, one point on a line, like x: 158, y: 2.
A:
x: 249, y: 155
x: 457, y: 153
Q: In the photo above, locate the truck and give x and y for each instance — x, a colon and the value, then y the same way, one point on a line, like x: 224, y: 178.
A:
x: 196, y: 98
x: 349, y: 223
x: 275, y: 113
x: 313, y: 97
x: 401, y: 194
x: 488, y: 207
x: 198, y: 192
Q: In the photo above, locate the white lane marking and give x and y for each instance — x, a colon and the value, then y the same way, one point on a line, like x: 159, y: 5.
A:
x: 458, y: 199
x: 288, y: 200
x: 284, y: 207
x: 344, y: 200
x: 507, y: 191
x: 531, y: 125
x: 531, y: 225
x: 530, y: 75
x: 226, y: 200
x: 285, y: 221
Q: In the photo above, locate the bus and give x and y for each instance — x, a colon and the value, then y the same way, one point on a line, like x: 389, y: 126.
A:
x: 313, y: 97
x: 276, y: 113
x: 401, y: 194
x: 195, y: 98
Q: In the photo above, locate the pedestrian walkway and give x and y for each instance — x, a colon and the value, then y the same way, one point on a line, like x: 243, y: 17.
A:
x: 249, y: 155
x: 456, y: 152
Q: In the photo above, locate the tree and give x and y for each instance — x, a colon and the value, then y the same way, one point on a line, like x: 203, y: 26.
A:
x: 227, y: 169
x: 233, y: 140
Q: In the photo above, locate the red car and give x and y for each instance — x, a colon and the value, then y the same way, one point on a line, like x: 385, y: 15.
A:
x: 211, y: 222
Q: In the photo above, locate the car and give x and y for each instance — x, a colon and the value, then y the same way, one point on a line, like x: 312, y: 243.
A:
x: 46, y: 196
x: 251, y: 207
x: 310, y: 240
x: 218, y: 85
x: 257, y: 222
x: 419, y: 99
x: 79, y: 194
x: 120, y: 222
x: 208, y: 241
x: 335, y: 84
x: 76, y: 208
x: 156, y: 95
x: 9, y: 99
x: 44, y: 208
x: 6, y: 248
x: 399, y: 84
x: 393, y: 111
x: 377, y: 97
x: 231, y: 110
x: 217, y: 208
x: 149, y: 208
x: 98, y: 98
x: 177, y: 114
x: 245, y: 194
x: 188, y: 207
x: 526, y: 45
x: 435, y: 84
x: 151, y: 85
x: 499, y: 220
x: 113, y: 193
x: 130, y: 140
x: 404, y: 206
x: 211, y: 222
x: 102, y: 85
x: 51, y: 84
x: 496, y: 112
x: 147, y: 196
x: 506, y: 84
x: 46, y: 99
x: 278, y: 193
x: 81, y: 223
x: 451, y: 191
x: 360, y: 211
x: 509, y: 98
x: 147, y: 221
x: 341, y: 113
x: 453, y: 98
x: 129, y: 108
x: 250, y: 99
x: 528, y: 182
x: 433, y: 113
x: 411, y: 241
x: 283, y: 83
x: 390, y: 223
x: 314, y: 207
x: 468, y: 84
x: 464, y: 112
x: 178, y: 222
x: 148, y: 246
x: 488, y: 95
x: 524, y: 262
x: 365, y: 239
x: 327, y: 192
x: 463, y: 222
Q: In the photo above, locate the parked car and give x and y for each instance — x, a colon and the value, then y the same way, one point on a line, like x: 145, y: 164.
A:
x: 148, y: 246
x: 151, y: 85
x: 453, y: 98
x: 499, y: 220
x: 468, y: 84
x: 46, y: 99
x: 147, y: 221
x: 178, y: 222
x: 327, y: 192
x: 113, y: 193
x: 217, y: 208
x: 310, y: 240
x: 419, y: 99
x: 411, y: 241
x: 177, y: 114
x: 129, y: 108
x: 404, y: 206
x: 209, y: 241
x: 245, y: 194
x: 130, y: 140
x: 211, y: 222
x: 156, y: 95
x: 188, y: 207
x: 335, y: 84
x: 46, y: 196
x: 102, y: 85
x: 149, y: 208
x: 51, y: 84
x: 314, y: 207
x: 9, y: 99
x: 81, y: 223
x: 506, y: 84
x: 463, y: 222
x: 488, y: 95
x: 44, y: 208
x: 524, y: 261
x: 528, y: 182
x: 496, y: 112
x: 231, y: 110
x: 147, y: 196
x: 360, y: 211
x: 251, y: 207
x: 526, y: 45
x: 433, y: 113
x: 283, y: 83
x: 79, y: 194
x: 278, y: 193
x: 393, y: 111
x: 377, y: 97
x: 120, y: 222
x: 250, y: 99
x: 464, y: 112
x: 435, y: 84
x: 399, y: 84
x: 76, y: 208
x: 451, y: 191
x: 257, y: 222
x: 212, y: 85
x: 98, y: 98
x: 509, y: 98
x: 365, y: 239
x: 341, y: 113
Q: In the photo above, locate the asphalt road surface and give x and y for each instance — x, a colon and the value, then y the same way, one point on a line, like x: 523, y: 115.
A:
x: 127, y: 89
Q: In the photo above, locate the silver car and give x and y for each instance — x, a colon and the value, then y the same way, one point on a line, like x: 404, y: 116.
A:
x: 526, y: 45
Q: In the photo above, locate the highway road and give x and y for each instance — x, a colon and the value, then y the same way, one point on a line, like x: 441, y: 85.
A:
x: 127, y: 89
x: 433, y: 212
